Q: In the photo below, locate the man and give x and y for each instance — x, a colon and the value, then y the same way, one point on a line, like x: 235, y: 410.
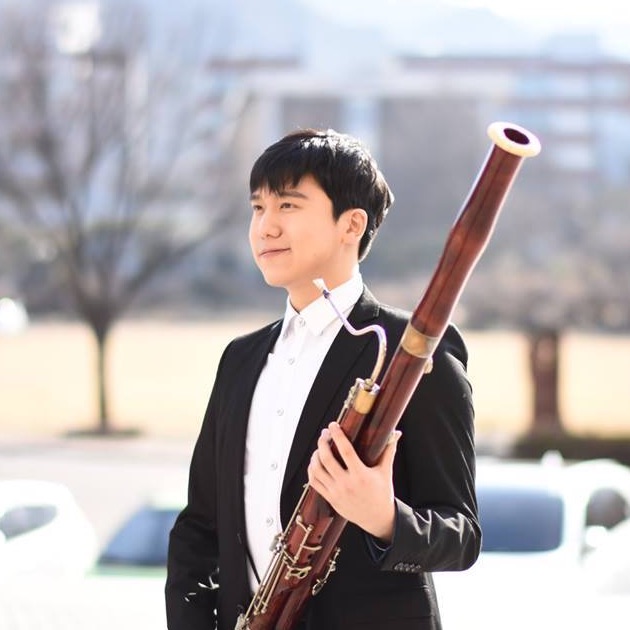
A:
x: 318, y: 200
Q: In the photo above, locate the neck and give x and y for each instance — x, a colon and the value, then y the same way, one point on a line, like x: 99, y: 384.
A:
x: 301, y: 299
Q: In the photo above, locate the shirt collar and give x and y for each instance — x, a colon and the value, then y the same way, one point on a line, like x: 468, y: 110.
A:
x: 318, y: 315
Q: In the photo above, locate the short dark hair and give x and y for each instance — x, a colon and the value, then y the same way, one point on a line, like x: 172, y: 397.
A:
x: 339, y: 163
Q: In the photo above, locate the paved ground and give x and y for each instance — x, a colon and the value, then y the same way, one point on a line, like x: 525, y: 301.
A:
x: 87, y: 604
x: 109, y: 477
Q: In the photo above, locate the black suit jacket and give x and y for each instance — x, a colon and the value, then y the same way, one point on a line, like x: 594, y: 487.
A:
x: 436, y: 512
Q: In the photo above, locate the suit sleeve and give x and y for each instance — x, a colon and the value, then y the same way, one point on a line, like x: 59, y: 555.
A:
x: 437, y: 527
x: 192, y: 568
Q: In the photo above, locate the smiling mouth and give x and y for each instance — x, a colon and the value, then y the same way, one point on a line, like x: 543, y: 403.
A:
x: 270, y: 253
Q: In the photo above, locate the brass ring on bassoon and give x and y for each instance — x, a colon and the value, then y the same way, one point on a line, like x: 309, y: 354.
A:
x: 419, y: 345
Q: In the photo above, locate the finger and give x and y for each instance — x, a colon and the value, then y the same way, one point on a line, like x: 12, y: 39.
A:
x: 318, y: 476
x: 319, y: 479
x: 344, y: 447
x: 318, y: 486
x: 326, y: 456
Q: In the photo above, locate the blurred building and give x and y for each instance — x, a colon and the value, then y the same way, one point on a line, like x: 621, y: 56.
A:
x: 577, y: 103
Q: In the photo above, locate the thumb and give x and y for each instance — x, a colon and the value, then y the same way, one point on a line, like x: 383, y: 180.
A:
x: 390, y: 450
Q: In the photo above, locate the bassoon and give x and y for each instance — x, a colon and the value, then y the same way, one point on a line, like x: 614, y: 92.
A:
x: 305, y: 553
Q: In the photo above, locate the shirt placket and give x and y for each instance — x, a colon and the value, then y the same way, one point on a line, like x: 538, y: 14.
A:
x: 287, y: 409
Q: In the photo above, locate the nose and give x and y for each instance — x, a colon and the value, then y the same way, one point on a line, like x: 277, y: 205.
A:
x: 268, y: 225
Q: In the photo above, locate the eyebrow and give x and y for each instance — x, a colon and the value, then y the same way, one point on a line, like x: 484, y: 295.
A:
x: 285, y: 192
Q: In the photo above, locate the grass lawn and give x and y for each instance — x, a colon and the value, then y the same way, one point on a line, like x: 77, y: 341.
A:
x: 161, y: 373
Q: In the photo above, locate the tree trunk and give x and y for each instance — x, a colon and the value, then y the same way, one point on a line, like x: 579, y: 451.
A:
x: 544, y: 352
x: 101, y: 379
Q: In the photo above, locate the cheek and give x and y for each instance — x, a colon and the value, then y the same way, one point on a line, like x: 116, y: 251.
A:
x: 320, y: 247
x: 252, y: 233
x: 253, y: 244
x: 312, y: 257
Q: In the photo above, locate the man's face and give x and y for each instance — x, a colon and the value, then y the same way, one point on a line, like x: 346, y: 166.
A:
x: 295, y: 239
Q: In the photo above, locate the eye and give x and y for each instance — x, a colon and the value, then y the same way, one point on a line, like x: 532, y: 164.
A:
x: 256, y: 207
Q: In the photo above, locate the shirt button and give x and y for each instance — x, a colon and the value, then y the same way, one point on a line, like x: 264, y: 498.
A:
x: 274, y: 466
x: 301, y: 322
x: 269, y: 521
x: 291, y: 361
x: 280, y: 411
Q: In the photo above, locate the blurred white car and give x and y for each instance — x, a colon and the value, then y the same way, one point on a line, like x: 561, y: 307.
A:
x: 13, y: 316
x: 608, y: 566
x: 540, y: 523
x: 43, y: 531
x: 123, y: 588
x: 139, y: 546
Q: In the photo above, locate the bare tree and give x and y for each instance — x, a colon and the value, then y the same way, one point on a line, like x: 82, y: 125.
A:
x: 102, y: 155
x: 555, y: 264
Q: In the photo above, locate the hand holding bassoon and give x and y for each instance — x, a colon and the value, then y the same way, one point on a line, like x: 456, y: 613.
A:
x: 363, y: 495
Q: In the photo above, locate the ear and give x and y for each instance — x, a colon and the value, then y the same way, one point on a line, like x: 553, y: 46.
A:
x: 356, y: 221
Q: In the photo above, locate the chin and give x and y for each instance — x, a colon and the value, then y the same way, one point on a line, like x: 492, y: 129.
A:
x: 273, y: 280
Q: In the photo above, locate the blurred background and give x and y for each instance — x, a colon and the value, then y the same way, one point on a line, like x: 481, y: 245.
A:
x: 127, y: 131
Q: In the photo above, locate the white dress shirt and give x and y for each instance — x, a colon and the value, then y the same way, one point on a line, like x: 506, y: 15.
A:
x: 279, y: 397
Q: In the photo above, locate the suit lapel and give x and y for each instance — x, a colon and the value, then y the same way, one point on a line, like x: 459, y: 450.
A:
x: 345, y: 360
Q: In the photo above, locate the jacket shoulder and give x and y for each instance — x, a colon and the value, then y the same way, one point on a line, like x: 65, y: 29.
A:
x: 452, y: 342
x: 239, y: 348
x: 246, y: 340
